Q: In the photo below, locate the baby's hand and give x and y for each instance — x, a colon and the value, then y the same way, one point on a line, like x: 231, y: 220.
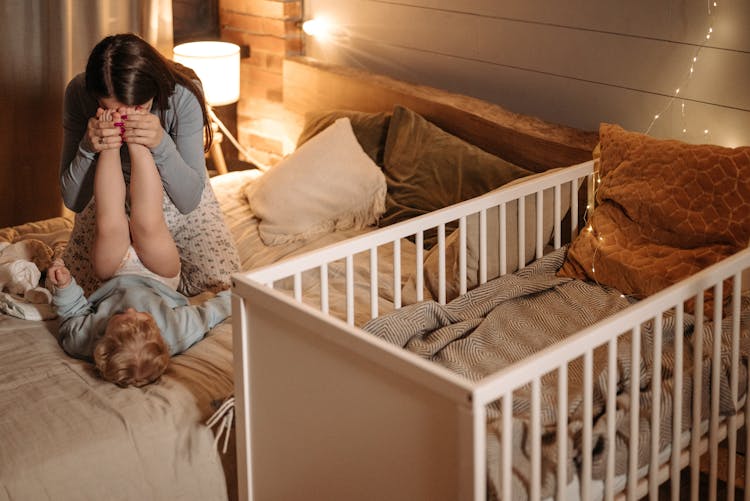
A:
x: 58, y: 274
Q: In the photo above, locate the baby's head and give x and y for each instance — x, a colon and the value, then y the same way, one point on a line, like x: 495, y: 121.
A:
x: 131, y: 351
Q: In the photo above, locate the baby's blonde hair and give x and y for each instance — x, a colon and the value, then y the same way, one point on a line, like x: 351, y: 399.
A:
x: 131, y: 352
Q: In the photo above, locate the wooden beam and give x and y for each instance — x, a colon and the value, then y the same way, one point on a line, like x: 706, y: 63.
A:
x: 530, y: 142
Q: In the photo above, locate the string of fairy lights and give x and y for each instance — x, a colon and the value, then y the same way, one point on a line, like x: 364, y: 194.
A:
x: 678, y: 92
x: 685, y: 81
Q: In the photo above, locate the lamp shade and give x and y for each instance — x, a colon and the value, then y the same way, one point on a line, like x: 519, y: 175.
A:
x: 217, y: 64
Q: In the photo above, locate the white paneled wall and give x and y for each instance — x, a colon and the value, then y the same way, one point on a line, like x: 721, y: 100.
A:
x: 579, y: 62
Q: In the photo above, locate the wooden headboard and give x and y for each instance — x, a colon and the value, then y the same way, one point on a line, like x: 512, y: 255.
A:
x: 311, y: 85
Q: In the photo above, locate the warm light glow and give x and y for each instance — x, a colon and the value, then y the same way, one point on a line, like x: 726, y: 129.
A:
x: 317, y: 27
x: 217, y: 64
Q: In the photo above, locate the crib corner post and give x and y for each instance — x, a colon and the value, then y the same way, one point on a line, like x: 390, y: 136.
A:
x: 241, y: 397
x: 473, y: 444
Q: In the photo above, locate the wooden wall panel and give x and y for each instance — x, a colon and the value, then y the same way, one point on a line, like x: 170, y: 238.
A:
x: 575, y: 63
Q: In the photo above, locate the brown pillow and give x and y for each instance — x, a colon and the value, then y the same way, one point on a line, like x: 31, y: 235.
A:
x: 664, y: 210
x: 427, y: 169
x: 370, y: 129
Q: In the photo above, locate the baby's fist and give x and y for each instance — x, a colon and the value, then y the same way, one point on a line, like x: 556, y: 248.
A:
x: 58, y: 274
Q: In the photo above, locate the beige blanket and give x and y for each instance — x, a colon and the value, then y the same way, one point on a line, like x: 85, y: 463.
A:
x: 507, y: 320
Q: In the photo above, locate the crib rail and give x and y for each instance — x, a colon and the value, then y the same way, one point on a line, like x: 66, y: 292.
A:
x: 437, y: 219
x: 536, y: 189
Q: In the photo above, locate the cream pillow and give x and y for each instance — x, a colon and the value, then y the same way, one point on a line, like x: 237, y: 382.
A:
x: 329, y: 183
x: 452, y: 242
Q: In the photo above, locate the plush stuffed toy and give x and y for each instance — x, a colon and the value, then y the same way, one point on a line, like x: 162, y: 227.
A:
x: 21, y: 267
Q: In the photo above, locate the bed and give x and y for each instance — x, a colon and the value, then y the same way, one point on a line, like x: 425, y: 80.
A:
x: 318, y: 422
x: 393, y: 364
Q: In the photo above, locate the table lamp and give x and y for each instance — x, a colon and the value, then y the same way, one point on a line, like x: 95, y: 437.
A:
x: 217, y: 64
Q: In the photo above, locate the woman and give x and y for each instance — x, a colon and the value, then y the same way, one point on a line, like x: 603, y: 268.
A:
x: 125, y: 71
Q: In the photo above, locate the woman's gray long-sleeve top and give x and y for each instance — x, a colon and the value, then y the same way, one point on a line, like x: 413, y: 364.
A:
x: 179, y: 156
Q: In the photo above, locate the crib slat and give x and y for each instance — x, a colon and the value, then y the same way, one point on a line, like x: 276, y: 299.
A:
x: 588, y: 423
x: 557, y: 216
x: 350, y: 289
x: 536, y: 441
x: 635, y: 385
x: 441, y: 263
x: 462, y: 254
x: 324, y: 288
x: 482, y: 246
x: 611, y: 406
x: 695, y: 434
x: 298, y: 287
x: 677, y: 407
x: 734, y: 383
x: 562, y: 430
x: 574, y: 205
x: 521, y: 232
x: 397, y: 273
x: 713, y: 436
x: 373, y: 282
x: 507, y: 442
x: 420, y: 265
x: 653, y: 471
x: 539, y: 218
x: 503, y: 239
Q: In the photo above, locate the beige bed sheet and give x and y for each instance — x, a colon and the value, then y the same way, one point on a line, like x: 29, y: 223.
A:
x: 66, y: 434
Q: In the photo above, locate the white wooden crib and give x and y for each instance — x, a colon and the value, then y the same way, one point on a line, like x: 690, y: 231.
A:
x: 328, y: 411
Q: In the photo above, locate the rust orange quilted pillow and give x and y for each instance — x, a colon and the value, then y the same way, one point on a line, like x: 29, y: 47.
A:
x: 664, y: 210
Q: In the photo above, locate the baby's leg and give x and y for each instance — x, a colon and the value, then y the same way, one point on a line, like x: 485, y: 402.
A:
x: 152, y: 240
x: 112, y: 234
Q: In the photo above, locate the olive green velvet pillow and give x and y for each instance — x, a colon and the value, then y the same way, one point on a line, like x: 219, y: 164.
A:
x: 427, y: 169
x: 370, y: 129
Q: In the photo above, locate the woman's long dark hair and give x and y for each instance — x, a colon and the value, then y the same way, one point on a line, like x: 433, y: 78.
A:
x: 129, y: 69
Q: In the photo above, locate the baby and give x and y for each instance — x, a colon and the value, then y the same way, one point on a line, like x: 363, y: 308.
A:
x: 133, y: 323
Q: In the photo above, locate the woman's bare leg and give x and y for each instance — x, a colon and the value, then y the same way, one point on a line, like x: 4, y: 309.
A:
x: 112, y: 234
x: 150, y: 235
